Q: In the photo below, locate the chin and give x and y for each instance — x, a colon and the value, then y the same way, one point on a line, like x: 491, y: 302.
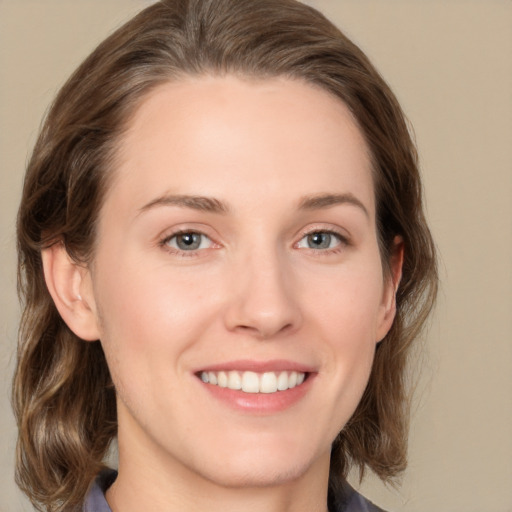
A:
x: 262, y: 467
x: 273, y: 473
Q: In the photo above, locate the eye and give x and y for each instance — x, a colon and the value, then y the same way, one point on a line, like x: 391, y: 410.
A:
x: 320, y: 240
x: 188, y: 241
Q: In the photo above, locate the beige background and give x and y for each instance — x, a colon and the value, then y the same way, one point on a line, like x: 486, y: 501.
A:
x: 450, y: 63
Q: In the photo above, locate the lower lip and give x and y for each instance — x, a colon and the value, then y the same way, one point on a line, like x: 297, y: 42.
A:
x: 260, y: 402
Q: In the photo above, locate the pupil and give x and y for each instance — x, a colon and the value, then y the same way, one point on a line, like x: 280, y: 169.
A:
x: 189, y: 241
x: 320, y: 240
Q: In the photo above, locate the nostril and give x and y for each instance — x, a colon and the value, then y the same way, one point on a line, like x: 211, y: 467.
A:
x: 265, y: 331
x: 262, y: 312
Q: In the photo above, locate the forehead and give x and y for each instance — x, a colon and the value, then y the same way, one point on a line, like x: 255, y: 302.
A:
x: 216, y: 135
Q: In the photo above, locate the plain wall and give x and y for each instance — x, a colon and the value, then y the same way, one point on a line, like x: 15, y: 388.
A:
x: 450, y: 64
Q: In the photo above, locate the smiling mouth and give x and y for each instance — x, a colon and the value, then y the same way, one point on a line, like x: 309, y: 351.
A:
x: 253, y: 382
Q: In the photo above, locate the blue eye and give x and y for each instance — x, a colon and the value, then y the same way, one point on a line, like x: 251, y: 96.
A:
x: 188, y: 241
x: 320, y: 240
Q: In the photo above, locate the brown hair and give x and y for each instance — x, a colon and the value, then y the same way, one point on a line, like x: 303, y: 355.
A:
x: 63, y: 395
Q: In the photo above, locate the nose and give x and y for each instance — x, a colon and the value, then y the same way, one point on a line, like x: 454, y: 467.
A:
x: 263, y: 300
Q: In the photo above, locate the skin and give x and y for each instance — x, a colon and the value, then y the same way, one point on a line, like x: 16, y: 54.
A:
x: 254, y: 290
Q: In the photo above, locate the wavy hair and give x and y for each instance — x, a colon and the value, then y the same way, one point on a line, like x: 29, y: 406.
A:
x: 63, y: 395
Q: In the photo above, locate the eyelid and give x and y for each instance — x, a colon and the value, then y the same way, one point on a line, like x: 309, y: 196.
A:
x: 343, y: 238
x: 169, y: 234
x: 163, y: 239
x: 341, y: 233
x: 177, y: 235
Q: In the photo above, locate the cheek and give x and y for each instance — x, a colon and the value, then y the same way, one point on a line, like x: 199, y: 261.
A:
x: 349, y: 302
x: 348, y: 318
x: 150, y: 314
x: 149, y: 324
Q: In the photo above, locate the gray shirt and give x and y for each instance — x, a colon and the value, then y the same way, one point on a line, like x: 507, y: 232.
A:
x: 346, y: 499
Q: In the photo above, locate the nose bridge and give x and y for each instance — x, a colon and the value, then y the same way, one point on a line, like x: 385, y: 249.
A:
x: 263, y: 301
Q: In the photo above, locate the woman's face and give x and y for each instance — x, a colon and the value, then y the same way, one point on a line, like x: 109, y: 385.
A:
x: 237, y: 247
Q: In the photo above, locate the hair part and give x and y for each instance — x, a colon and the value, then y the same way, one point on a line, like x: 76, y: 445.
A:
x: 63, y: 395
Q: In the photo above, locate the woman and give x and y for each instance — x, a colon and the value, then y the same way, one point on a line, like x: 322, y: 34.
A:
x: 224, y: 262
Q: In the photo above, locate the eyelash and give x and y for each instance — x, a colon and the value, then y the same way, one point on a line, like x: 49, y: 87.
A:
x: 343, y: 242
x: 164, y: 243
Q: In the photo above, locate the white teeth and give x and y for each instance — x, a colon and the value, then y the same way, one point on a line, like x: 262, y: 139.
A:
x: 222, y: 380
x: 252, y: 382
x: 282, y: 381
x: 292, y: 380
x: 268, y: 383
x: 234, y: 380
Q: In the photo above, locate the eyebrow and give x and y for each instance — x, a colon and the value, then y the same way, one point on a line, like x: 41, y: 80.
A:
x: 201, y: 203
x: 319, y: 201
x: 213, y: 205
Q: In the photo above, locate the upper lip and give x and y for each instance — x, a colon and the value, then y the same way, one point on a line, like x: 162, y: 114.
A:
x: 246, y: 365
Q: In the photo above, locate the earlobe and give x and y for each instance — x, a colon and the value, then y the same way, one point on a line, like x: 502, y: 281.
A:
x: 391, y: 287
x: 71, y: 291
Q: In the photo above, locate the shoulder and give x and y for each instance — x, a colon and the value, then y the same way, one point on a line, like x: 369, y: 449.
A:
x: 95, y: 500
x: 346, y: 499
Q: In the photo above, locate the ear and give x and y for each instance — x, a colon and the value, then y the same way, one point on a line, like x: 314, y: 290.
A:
x: 70, y: 286
x: 391, y: 283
